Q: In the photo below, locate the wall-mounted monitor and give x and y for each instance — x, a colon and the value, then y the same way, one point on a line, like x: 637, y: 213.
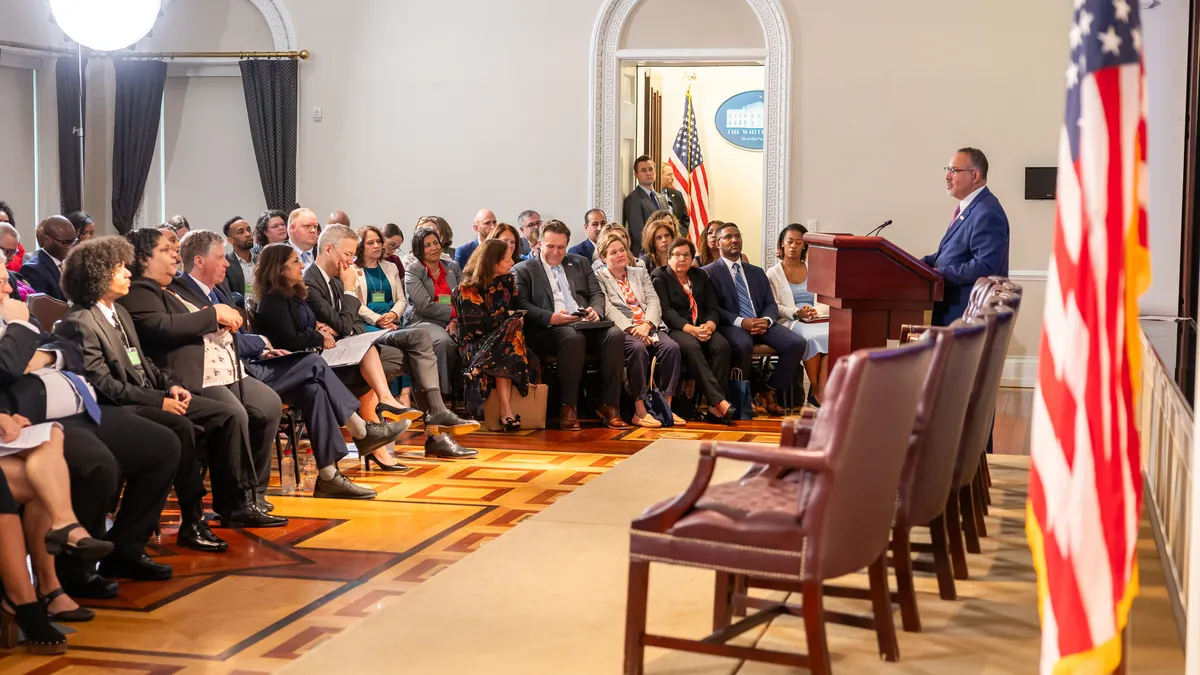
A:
x: 1040, y: 182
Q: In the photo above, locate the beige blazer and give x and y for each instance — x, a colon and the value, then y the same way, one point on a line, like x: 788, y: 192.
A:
x: 617, y: 311
x: 783, y: 296
x: 360, y: 291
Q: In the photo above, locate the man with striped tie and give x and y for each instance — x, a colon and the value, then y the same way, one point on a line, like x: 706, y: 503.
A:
x: 642, y: 202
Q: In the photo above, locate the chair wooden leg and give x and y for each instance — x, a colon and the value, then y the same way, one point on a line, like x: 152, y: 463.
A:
x: 813, y: 599
x: 987, y: 475
x: 958, y: 554
x: 941, y: 558
x: 723, y: 601
x: 881, y: 602
x: 981, y: 509
x: 740, y: 589
x: 966, y: 504
x: 985, y: 483
x: 906, y: 590
x: 635, y: 616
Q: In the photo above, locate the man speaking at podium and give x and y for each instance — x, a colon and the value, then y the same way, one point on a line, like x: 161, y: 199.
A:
x: 976, y: 242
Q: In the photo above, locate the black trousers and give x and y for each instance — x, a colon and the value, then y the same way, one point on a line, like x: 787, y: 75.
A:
x: 707, y: 361
x: 127, y: 446
x: 258, y: 413
x: 569, y: 345
x: 8, y: 504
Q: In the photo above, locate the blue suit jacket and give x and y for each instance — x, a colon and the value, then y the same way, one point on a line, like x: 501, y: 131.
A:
x: 584, y: 248
x: 249, y: 345
x: 463, y: 253
x: 41, y: 273
x: 756, y: 280
x: 974, y: 246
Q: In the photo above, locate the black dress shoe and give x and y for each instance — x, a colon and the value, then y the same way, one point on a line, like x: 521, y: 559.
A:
x: 713, y: 418
x: 198, y: 537
x: 247, y: 514
x: 379, y: 435
x: 448, y: 422
x: 137, y: 567
x: 444, y: 445
x: 92, y: 587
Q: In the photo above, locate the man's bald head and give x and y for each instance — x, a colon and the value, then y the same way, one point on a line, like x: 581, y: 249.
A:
x: 485, y: 220
x: 339, y: 218
x: 59, y: 236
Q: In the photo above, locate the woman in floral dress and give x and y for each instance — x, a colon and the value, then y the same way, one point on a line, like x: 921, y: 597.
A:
x: 491, y: 335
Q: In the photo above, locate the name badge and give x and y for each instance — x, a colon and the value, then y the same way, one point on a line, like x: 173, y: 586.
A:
x: 443, y: 299
x: 134, y: 357
x: 248, y: 291
x: 377, y: 297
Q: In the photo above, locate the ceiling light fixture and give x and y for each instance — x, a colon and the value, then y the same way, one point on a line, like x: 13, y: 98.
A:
x: 106, y: 25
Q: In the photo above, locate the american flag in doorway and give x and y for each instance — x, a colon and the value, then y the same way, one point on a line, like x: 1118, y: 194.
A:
x: 688, y: 165
x: 1085, y: 485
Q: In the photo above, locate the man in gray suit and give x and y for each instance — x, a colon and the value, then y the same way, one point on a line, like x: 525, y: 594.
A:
x: 333, y: 305
x: 557, y: 289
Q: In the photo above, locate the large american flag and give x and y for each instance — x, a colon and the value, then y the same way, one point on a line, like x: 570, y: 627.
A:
x: 1085, y: 486
x: 688, y: 166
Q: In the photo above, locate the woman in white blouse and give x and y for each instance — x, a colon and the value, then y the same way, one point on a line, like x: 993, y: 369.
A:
x: 380, y: 287
x: 789, y: 283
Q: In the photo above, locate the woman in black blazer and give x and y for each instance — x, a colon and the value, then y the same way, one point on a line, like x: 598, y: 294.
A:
x: 689, y: 308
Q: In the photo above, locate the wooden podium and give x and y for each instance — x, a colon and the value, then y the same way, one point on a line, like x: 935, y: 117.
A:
x: 872, y: 288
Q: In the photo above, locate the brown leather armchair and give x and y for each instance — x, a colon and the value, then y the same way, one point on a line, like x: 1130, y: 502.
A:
x: 786, y: 525
x: 48, y: 310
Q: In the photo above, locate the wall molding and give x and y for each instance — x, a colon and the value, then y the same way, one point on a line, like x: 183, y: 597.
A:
x: 1019, y: 371
x: 604, y: 82
x: 1028, y: 275
x: 279, y: 22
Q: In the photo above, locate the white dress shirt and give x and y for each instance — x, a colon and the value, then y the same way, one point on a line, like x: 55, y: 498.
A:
x: 560, y: 304
x: 730, y: 263
x: 61, y: 398
x: 966, y: 201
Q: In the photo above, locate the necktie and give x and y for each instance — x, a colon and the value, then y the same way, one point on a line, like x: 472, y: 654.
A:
x: 953, y: 220
x: 568, y: 299
x: 745, y: 307
x: 306, y: 258
x: 212, y: 295
x: 654, y: 198
x: 89, y: 402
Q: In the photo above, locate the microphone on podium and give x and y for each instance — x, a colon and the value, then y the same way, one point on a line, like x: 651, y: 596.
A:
x: 878, y: 229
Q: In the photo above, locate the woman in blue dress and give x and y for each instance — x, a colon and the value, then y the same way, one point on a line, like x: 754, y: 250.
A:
x: 798, y: 305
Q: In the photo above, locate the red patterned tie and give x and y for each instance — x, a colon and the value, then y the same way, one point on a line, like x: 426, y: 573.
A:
x: 955, y: 218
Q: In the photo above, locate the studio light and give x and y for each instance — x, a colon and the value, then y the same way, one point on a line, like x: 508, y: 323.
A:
x: 105, y: 25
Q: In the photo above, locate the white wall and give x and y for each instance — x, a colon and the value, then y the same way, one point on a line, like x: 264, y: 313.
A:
x: 16, y: 147
x: 680, y: 24
x: 735, y: 175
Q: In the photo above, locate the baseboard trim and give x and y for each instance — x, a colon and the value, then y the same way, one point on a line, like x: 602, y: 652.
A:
x: 1019, y: 371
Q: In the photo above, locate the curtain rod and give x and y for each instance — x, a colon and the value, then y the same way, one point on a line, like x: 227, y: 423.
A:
x: 124, y: 54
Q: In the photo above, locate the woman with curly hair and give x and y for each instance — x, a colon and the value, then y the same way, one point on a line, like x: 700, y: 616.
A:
x: 490, y: 334
x: 271, y: 228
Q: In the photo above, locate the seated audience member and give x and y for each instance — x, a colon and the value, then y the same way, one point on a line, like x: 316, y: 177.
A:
x: 242, y: 258
x: 193, y: 343
x: 484, y: 221
x: 660, y: 231
x: 9, y: 247
x: 168, y: 233
x: 689, y: 308
x: 410, y: 349
x: 270, y: 228
x: 179, y: 225
x: 557, y: 289
x: 446, y: 236
x: 102, y: 444
x: 15, y: 254
x: 748, y: 312
x: 508, y: 234
x: 593, y: 221
x: 94, y: 277
x: 303, y: 230
x: 339, y: 218
x: 789, y: 283
x: 491, y: 334
x: 44, y: 270
x: 708, y: 249
x: 393, y: 245
x: 302, y: 380
x: 633, y: 306
x: 379, y: 286
x: 85, y: 227
x: 39, y: 480
x: 429, y: 281
x: 529, y: 223
x: 598, y: 262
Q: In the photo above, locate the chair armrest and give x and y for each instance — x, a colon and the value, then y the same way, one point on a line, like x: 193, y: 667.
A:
x: 796, y: 431
x: 663, y: 516
x: 816, y: 461
x: 911, y: 333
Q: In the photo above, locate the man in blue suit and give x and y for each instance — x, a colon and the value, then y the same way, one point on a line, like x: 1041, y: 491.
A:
x: 976, y: 242
x: 44, y: 269
x: 748, y: 312
x: 593, y: 222
x: 484, y: 221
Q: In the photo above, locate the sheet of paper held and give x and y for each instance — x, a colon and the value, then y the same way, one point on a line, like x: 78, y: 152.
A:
x: 351, y: 350
x: 30, y: 437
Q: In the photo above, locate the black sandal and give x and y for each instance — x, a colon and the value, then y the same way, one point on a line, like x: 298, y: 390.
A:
x: 512, y: 424
x: 41, y: 637
x: 86, y: 548
x: 77, y: 615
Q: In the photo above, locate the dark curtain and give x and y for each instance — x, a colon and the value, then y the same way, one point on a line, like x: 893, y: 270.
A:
x: 139, y: 96
x: 70, y: 159
x: 271, y: 105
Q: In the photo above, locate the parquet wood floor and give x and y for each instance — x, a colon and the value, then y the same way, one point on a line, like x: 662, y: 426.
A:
x: 279, y: 592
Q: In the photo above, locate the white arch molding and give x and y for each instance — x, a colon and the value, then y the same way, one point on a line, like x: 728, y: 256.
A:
x: 283, y: 32
x: 605, y: 73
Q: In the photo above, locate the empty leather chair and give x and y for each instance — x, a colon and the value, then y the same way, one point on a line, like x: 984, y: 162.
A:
x: 48, y: 310
x: 790, y: 531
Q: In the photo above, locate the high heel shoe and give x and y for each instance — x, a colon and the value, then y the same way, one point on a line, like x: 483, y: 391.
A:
x: 77, y: 615
x: 512, y: 423
x: 86, y: 548
x: 409, y: 414
x: 41, y: 637
x: 368, y: 458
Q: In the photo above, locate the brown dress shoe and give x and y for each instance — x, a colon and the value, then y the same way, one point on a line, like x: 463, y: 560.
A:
x: 772, y: 406
x: 568, y: 419
x: 611, y: 417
